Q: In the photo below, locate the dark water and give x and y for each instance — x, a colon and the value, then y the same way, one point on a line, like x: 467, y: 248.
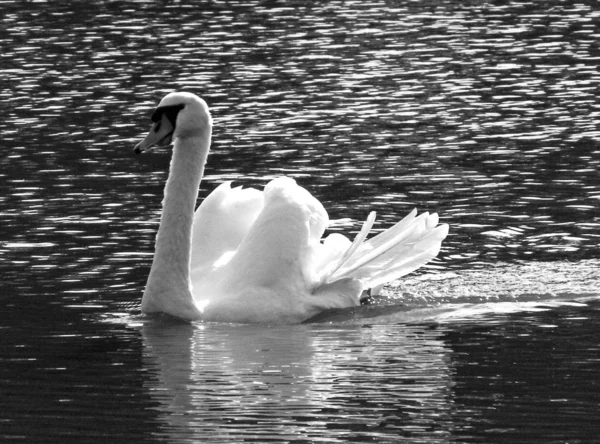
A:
x: 486, y: 112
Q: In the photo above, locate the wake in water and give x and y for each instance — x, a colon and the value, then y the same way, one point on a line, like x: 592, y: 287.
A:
x: 471, y: 293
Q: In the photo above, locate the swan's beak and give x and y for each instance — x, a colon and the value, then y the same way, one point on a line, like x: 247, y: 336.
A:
x: 160, y: 135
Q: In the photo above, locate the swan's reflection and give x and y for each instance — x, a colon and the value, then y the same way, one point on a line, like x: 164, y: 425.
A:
x: 235, y: 381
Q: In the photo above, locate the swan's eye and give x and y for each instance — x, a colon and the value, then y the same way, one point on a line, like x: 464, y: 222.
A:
x: 157, y: 126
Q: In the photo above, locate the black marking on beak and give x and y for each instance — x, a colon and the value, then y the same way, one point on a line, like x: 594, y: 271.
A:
x: 163, y: 129
x: 161, y: 133
x: 170, y: 111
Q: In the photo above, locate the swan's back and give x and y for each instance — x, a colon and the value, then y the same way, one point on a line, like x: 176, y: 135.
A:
x: 271, y: 275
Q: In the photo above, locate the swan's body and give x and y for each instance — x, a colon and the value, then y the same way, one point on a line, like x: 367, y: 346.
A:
x: 257, y: 257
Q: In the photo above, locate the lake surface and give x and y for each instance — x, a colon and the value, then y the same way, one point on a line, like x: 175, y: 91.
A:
x: 485, y: 112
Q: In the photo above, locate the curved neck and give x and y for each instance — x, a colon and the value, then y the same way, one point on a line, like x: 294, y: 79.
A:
x: 168, y: 288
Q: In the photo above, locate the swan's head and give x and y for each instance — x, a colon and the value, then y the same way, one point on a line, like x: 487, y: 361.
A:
x: 178, y: 115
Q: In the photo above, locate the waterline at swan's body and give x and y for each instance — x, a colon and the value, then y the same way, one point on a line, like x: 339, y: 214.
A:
x: 258, y: 257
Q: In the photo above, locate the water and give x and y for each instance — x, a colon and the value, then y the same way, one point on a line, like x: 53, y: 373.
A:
x: 485, y: 112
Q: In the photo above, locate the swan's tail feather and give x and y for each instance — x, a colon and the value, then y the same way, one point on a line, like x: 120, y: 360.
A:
x: 399, y: 250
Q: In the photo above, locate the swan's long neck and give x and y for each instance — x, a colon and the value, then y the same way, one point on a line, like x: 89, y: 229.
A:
x: 169, y: 288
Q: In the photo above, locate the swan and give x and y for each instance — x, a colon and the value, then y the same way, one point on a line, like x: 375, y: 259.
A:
x: 246, y: 256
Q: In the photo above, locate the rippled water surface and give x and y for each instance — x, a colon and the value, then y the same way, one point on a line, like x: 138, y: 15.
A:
x: 485, y: 112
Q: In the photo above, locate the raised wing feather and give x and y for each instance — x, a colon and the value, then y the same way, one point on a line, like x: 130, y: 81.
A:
x: 399, y: 250
x: 222, y: 221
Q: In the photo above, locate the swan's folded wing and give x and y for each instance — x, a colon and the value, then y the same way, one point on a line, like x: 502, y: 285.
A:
x: 278, y: 251
x: 222, y: 221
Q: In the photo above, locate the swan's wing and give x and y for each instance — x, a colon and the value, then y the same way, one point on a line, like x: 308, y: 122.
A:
x: 222, y: 221
x: 278, y: 250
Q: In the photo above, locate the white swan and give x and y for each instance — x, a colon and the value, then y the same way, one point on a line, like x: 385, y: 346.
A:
x: 257, y: 257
